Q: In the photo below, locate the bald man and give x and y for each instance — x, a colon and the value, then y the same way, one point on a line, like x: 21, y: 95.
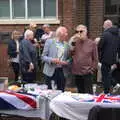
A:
x: 108, y: 51
x: 55, y: 55
x: 107, y: 24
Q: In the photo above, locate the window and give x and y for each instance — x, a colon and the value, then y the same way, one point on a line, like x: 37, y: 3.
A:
x: 112, y: 10
x: 28, y: 9
x: 34, y: 8
x: 18, y: 8
x: 49, y: 10
x: 4, y: 9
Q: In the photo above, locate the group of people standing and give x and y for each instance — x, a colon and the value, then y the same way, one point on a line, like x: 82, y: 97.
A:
x: 24, y: 51
x: 59, y: 52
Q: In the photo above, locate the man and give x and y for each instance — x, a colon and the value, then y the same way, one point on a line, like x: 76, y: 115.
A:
x: 55, y: 56
x: 28, y: 57
x: 85, y: 60
x: 108, y: 53
x: 47, y: 32
x: 38, y: 32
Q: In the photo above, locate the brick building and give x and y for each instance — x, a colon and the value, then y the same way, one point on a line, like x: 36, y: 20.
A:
x: 16, y: 14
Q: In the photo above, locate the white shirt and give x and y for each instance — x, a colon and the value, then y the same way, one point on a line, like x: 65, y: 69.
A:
x: 47, y: 36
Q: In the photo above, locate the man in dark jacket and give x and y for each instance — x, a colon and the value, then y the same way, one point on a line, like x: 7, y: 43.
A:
x: 108, y: 53
x: 28, y: 57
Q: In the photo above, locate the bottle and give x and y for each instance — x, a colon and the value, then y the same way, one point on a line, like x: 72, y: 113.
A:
x: 94, y: 89
x: 53, y: 85
x: 116, y: 88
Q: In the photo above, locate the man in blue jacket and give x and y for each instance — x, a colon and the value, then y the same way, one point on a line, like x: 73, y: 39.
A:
x: 28, y: 57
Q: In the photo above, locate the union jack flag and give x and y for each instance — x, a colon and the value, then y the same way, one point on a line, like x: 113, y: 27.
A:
x: 11, y: 100
x: 103, y: 98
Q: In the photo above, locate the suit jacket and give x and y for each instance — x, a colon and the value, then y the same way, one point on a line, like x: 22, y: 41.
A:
x: 27, y: 53
x: 50, y: 51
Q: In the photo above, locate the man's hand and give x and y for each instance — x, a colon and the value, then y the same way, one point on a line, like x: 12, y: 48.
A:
x: 114, y: 66
x: 55, y: 61
x: 31, y: 67
x: 17, y: 51
x: 63, y: 63
x: 59, y: 62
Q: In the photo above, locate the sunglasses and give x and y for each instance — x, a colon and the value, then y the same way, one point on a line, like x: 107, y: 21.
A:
x: 81, y: 31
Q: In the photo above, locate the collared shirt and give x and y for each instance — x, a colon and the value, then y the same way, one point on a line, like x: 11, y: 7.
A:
x: 85, y: 58
x: 47, y: 36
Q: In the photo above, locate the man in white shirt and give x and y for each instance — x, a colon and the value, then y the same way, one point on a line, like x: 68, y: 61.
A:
x: 48, y: 33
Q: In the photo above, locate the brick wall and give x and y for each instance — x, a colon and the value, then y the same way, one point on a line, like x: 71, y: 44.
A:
x: 67, y: 14
x: 10, y: 28
x: 5, y: 69
x: 96, y: 17
x: 80, y: 16
x: 70, y: 13
x: 3, y: 61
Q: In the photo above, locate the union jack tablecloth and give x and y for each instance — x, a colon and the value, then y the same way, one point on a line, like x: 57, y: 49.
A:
x: 75, y: 106
x: 11, y: 100
x: 102, y: 98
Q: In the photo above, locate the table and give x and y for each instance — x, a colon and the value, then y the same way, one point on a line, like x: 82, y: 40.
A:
x: 70, y: 108
x: 42, y: 111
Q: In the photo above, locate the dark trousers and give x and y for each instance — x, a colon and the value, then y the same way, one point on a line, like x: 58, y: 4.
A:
x: 84, y: 83
x: 116, y: 75
x: 16, y: 69
x: 58, y: 78
x: 106, y: 77
x: 28, y: 77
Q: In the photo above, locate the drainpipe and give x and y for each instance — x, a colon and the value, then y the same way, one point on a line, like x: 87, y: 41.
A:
x: 87, y: 13
x: 62, y: 12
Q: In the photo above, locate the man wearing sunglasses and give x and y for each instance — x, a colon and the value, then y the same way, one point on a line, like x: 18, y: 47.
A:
x: 85, y: 59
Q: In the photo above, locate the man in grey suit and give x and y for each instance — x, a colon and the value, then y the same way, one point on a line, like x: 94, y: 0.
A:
x: 55, y: 55
x: 28, y: 57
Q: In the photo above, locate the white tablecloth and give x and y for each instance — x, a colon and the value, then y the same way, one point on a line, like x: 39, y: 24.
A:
x: 67, y: 107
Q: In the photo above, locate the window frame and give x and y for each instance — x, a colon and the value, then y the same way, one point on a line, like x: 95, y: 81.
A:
x: 117, y: 13
x: 112, y: 16
x: 27, y: 20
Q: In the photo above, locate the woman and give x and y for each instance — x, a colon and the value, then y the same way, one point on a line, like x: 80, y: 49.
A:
x: 13, y: 52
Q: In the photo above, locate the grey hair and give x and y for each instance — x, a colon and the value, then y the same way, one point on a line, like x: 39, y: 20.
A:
x: 46, y: 25
x: 81, y: 26
x: 27, y: 33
